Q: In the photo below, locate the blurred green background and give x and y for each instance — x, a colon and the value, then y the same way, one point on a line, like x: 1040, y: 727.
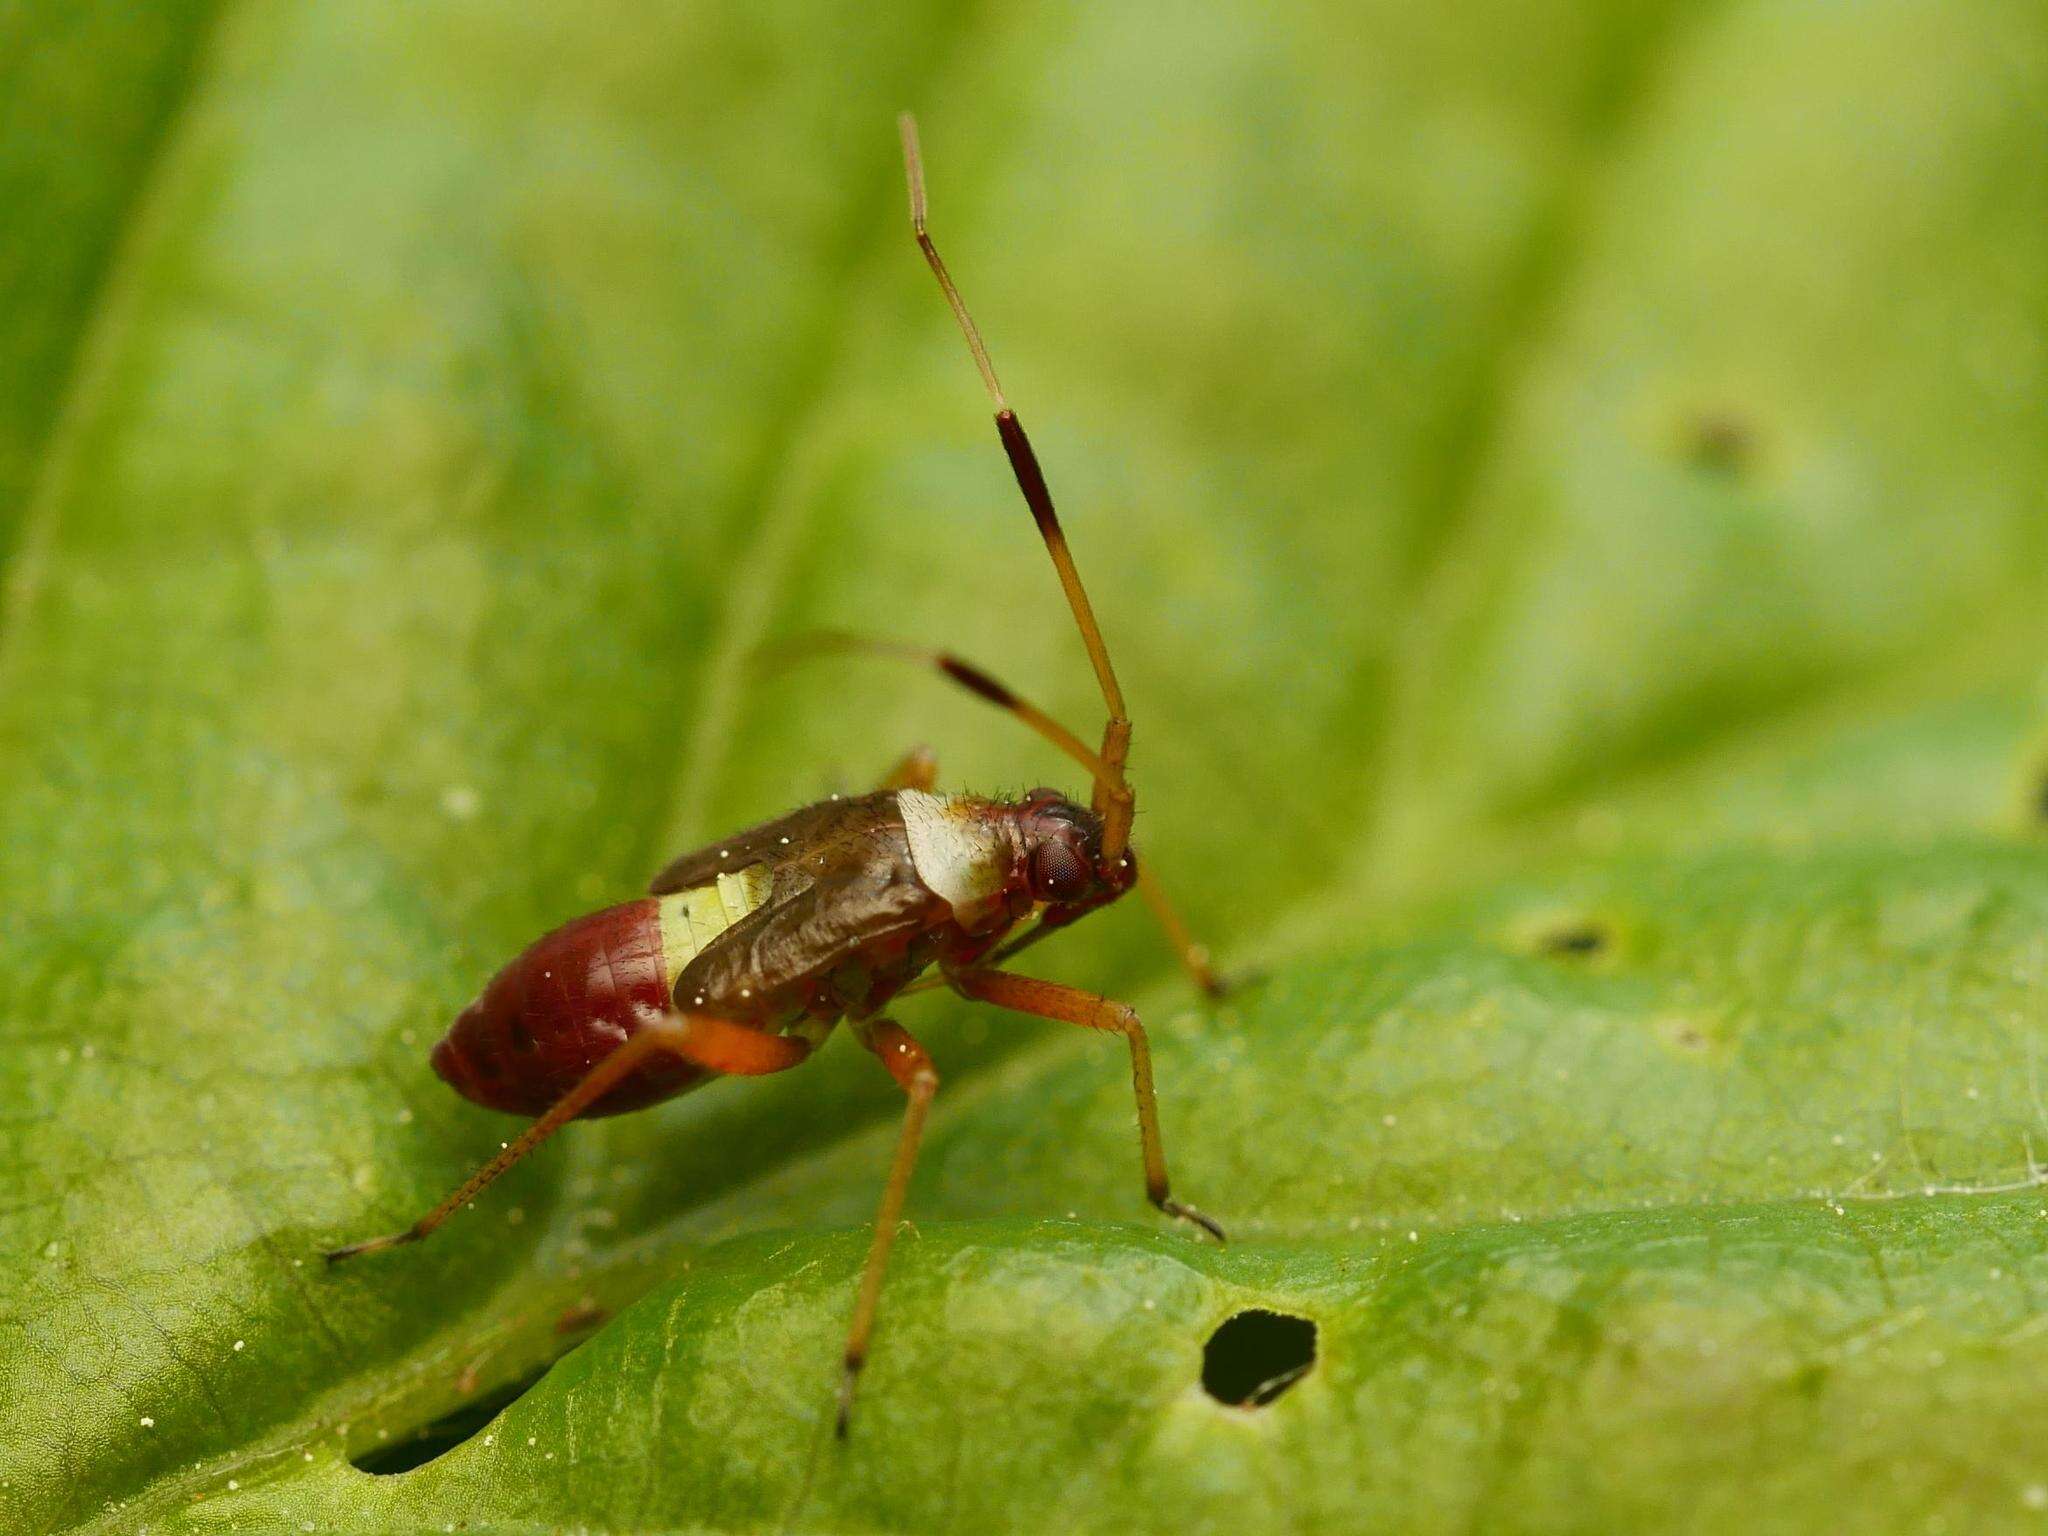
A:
x: 1564, y: 484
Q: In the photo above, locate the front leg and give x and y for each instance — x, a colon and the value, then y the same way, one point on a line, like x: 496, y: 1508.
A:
x: 1070, y: 1005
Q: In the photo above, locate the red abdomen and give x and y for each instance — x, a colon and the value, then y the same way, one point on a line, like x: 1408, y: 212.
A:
x: 564, y: 1005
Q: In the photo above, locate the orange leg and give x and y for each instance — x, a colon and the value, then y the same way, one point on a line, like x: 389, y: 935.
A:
x: 1070, y: 1005
x: 918, y: 770
x: 711, y: 1043
x: 912, y: 1069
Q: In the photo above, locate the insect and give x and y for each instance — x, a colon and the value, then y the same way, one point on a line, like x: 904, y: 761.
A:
x: 746, y: 954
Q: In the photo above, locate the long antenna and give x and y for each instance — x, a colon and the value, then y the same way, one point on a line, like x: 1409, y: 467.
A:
x: 966, y: 674
x: 913, y: 169
x: 1113, y: 798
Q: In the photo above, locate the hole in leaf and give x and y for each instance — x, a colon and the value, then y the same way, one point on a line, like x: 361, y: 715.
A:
x: 437, y: 1439
x: 1255, y: 1356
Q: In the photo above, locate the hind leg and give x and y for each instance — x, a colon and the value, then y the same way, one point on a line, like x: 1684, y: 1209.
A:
x: 714, y: 1044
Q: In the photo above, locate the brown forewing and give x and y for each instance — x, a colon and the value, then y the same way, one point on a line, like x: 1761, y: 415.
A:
x: 843, y: 880
x: 795, y: 842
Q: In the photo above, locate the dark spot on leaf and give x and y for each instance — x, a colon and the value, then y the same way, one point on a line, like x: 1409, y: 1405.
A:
x: 1576, y: 939
x: 1721, y: 442
x: 1684, y: 1033
x: 432, y: 1441
x: 1255, y: 1356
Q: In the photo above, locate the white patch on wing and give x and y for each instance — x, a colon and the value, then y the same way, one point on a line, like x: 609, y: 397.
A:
x: 959, y: 853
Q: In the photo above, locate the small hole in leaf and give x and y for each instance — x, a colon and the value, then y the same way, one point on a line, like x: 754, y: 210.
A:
x: 431, y: 1441
x: 1255, y: 1356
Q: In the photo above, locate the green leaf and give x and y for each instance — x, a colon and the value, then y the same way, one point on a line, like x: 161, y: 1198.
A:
x: 1563, y: 485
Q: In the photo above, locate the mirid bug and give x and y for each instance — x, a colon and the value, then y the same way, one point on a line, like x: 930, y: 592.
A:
x: 747, y: 953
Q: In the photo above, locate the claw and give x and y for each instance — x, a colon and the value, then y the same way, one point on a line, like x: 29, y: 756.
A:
x: 1181, y: 1212
x: 1218, y: 985
x: 373, y: 1245
x: 849, y: 1379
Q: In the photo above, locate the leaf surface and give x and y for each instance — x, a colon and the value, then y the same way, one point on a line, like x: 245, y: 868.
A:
x: 1563, y: 485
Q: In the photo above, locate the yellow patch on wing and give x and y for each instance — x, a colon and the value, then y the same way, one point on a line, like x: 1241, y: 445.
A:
x: 691, y: 919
